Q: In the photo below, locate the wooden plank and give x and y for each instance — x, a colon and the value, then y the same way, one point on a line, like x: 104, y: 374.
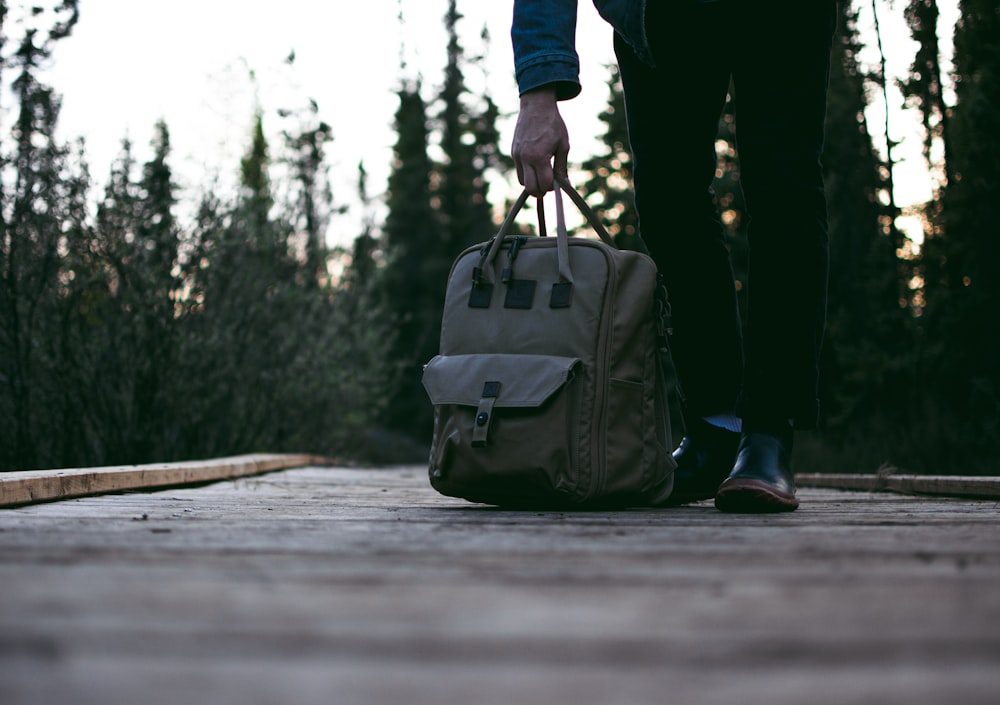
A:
x: 362, y: 586
x: 937, y: 485
x: 30, y: 487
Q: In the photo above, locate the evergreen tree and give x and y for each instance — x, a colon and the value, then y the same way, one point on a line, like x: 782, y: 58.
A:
x: 119, y: 332
x: 361, y: 273
x: 961, y: 288
x: 924, y: 86
x: 157, y: 284
x: 277, y: 358
x: 868, y: 362
x: 436, y: 209
x: 238, y: 334
x: 312, y: 196
x: 40, y: 209
x: 460, y: 188
x: 608, y: 186
x: 124, y: 339
x: 413, y: 279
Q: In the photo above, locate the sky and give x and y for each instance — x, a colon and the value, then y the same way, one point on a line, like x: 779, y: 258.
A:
x: 130, y: 63
x: 189, y: 63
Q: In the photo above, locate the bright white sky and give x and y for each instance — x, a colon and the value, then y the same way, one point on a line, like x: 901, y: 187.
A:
x: 132, y: 62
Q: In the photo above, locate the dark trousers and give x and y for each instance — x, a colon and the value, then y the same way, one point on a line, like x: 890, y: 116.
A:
x: 777, y: 56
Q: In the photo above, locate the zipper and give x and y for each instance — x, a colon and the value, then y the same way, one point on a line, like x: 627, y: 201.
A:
x: 599, y: 480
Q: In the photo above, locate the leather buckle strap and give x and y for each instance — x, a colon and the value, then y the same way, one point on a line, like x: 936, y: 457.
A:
x: 484, y: 414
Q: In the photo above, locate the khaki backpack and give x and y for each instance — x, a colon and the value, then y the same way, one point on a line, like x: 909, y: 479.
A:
x: 549, y: 388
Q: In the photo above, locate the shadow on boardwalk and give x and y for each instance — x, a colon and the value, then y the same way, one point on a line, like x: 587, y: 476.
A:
x: 342, y: 586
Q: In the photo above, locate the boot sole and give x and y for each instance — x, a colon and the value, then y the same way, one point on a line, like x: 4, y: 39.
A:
x: 753, y: 497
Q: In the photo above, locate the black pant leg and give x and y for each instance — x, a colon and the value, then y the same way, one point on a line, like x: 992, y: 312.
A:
x: 673, y: 113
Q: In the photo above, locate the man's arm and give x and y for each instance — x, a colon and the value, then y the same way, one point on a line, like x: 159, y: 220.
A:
x: 547, y: 69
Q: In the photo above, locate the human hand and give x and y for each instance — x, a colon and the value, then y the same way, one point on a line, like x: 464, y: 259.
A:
x: 541, y: 142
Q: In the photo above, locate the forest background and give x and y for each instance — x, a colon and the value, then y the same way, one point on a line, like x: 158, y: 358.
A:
x: 137, y: 325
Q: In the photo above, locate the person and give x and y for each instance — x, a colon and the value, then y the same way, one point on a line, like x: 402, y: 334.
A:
x: 743, y: 395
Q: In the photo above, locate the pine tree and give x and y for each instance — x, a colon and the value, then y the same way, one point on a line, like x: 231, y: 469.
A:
x: 40, y: 207
x: 923, y: 88
x: 868, y: 371
x: 312, y: 194
x: 121, y: 320
x: 412, y: 281
x: 436, y: 209
x: 157, y: 286
x: 361, y: 273
x: 239, y: 347
x: 608, y: 186
x: 961, y: 287
x: 460, y: 189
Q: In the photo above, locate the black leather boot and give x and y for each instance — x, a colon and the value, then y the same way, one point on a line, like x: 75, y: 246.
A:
x: 761, y: 480
x: 704, y: 458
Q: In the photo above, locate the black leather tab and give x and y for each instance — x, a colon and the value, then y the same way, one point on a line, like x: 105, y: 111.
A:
x: 480, y: 295
x: 520, y: 293
x: 562, y: 292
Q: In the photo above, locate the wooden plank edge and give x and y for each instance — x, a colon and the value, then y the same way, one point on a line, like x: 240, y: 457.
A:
x: 35, y: 486
x: 936, y: 485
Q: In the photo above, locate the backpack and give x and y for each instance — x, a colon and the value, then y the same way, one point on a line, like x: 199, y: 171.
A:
x: 549, y: 386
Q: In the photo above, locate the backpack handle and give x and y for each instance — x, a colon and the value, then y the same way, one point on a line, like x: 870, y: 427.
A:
x: 562, y: 235
x: 563, y: 185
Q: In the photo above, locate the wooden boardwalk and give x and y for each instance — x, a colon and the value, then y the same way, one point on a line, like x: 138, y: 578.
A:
x: 346, y: 586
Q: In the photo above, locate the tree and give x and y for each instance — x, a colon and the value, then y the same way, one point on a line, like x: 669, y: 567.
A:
x: 961, y: 288
x: 412, y: 280
x: 459, y: 191
x: 924, y: 87
x: 436, y: 209
x: 608, y: 186
x: 312, y: 195
x: 868, y: 375
x: 41, y: 206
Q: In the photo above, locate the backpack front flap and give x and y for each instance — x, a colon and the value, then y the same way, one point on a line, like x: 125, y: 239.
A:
x: 505, y: 429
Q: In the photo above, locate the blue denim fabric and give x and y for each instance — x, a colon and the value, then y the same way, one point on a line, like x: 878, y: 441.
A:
x: 543, y: 34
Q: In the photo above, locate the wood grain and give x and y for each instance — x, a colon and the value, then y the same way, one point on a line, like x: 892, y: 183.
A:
x: 940, y: 485
x: 327, y: 585
x: 18, y: 488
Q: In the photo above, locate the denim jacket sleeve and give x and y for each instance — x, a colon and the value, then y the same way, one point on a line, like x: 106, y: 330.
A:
x: 543, y: 33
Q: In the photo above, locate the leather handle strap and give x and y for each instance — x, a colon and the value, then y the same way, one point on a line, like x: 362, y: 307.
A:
x: 562, y: 185
x: 592, y: 220
x: 486, y: 263
x: 562, y: 239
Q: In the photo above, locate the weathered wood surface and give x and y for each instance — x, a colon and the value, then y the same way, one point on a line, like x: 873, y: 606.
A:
x: 32, y: 486
x: 344, y: 586
x: 939, y: 485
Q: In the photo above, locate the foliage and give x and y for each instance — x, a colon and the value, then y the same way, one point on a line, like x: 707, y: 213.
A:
x: 608, y: 182
x: 127, y: 336
x: 437, y: 207
x: 126, y: 339
x: 910, y: 370
x: 959, y: 325
x: 867, y: 368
